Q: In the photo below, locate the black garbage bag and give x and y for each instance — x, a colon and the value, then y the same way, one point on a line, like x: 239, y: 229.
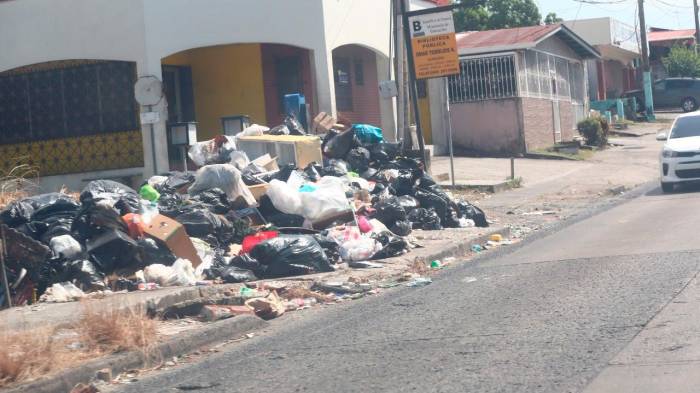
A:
x: 426, y: 181
x: 93, y: 220
x: 469, y: 211
x: 429, y: 199
x: 52, y: 216
x: 384, y: 152
x: 338, y: 145
x: 337, y: 168
x: 294, y: 126
x: 202, y: 223
x: 17, y: 213
x: 313, y: 172
x: 176, y: 181
x: 116, y: 195
x: 154, y: 252
x: 392, y: 245
x: 85, y: 273
x: 404, y: 183
x: 388, y: 211
x: 408, y: 202
x: 368, y: 174
x: 251, y: 180
x: 282, y: 175
x: 113, y: 249
x: 402, y: 228
x: 426, y: 219
x: 247, y: 262
x: 214, y: 199
x: 330, y: 247
x: 233, y: 274
x: 277, y: 218
x: 378, y: 189
x: 358, y: 158
x: 171, y: 204
x: 291, y: 255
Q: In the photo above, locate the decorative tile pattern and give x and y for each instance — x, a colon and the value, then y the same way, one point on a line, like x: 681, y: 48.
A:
x: 75, y: 155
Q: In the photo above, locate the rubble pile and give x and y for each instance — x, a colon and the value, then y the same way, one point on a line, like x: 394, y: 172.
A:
x: 233, y: 220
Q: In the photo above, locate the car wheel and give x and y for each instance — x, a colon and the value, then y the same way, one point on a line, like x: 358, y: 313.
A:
x: 689, y: 104
x: 667, y: 187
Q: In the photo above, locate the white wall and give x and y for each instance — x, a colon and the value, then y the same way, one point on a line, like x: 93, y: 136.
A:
x: 595, y: 31
x: 35, y: 31
x: 145, y: 31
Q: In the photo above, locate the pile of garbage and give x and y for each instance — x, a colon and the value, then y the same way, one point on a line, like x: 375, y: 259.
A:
x: 187, y: 228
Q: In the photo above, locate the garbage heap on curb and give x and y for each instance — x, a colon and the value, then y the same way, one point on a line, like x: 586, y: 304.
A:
x: 233, y: 220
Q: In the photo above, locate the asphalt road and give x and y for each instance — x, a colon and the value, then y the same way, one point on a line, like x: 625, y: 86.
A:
x: 547, y: 317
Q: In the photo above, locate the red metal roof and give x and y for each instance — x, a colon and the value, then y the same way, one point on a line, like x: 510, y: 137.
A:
x: 670, y: 35
x: 440, y: 2
x: 504, y: 37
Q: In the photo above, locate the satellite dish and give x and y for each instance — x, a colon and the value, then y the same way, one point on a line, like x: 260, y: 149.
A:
x: 148, y: 90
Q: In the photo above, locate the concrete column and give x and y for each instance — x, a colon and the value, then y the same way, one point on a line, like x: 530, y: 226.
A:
x: 160, y: 163
x: 602, y: 88
x: 387, y: 106
x: 323, y: 77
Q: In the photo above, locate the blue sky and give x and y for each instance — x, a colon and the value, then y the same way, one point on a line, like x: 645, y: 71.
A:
x: 672, y: 14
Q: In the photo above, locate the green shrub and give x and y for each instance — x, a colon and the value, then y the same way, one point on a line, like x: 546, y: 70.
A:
x: 682, y: 61
x: 595, y: 130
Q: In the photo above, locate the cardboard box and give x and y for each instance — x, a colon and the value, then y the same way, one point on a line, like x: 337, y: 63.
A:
x: 173, y: 235
x: 258, y: 190
x: 300, y: 150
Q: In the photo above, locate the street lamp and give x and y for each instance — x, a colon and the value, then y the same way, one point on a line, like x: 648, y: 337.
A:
x: 183, y: 135
x: 232, y: 125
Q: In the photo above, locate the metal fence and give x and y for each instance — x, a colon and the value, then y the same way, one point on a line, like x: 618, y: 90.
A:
x: 544, y: 75
x: 484, y: 78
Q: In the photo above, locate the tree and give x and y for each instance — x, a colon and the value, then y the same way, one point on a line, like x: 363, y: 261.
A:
x: 552, y: 18
x: 495, y: 14
x: 682, y: 61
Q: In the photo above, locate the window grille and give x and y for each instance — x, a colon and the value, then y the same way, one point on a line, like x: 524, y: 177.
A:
x: 484, y: 78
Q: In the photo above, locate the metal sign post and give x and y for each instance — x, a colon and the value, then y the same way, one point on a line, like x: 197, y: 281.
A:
x: 449, y: 132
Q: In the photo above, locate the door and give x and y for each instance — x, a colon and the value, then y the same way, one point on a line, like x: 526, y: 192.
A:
x: 660, y: 95
x: 556, y: 120
x: 288, y: 76
x: 177, y: 83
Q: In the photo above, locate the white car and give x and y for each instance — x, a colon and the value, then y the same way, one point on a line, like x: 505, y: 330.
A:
x: 680, y: 157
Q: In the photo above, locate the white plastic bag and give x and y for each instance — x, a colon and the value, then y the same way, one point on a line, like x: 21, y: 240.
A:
x: 326, y: 201
x: 65, y: 246
x: 157, y: 180
x: 285, y: 198
x: 239, y: 159
x: 253, y: 130
x: 62, y: 292
x: 179, y: 274
x: 360, y: 249
x: 213, y: 151
x: 223, y: 176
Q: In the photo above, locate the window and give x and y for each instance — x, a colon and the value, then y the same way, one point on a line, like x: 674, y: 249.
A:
x: 660, y: 85
x: 484, y: 78
x: 75, y: 100
x: 678, y: 84
x: 343, y: 87
x: 359, y: 73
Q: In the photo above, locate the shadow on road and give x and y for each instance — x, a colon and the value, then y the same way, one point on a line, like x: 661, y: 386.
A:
x: 686, y: 188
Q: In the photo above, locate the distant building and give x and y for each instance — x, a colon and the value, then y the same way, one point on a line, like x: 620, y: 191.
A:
x: 520, y: 89
x: 660, y: 43
x: 618, y: 43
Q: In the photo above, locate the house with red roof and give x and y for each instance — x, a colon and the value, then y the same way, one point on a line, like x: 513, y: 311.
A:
x: 519, y: 90
x: 660, y: 43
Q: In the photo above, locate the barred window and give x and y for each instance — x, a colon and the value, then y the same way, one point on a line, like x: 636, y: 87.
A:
x: 40, y: 103
x: 484, y: 78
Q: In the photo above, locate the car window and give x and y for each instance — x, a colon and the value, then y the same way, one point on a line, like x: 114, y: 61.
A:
x: 686, y: 127
x: 660, y: 85
x: 678, y: 84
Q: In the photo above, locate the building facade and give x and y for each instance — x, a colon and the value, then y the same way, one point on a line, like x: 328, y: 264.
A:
x: 68, y: 68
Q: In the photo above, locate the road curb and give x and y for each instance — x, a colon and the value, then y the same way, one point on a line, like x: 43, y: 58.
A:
x: 182, y: 344
x: 464, y: 248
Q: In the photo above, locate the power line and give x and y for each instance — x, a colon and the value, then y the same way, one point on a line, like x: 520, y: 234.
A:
x: 601, y: 2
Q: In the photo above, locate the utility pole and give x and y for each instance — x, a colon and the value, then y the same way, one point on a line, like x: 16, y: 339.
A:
x: 697, y: 24
x: 646, y: 69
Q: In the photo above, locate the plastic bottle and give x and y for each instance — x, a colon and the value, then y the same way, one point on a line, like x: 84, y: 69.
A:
x: 148, y: 211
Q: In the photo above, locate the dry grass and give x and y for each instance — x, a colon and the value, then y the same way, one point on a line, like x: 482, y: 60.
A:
x: 419, y: 267
x: 17, y: 183
x: 26, y: 355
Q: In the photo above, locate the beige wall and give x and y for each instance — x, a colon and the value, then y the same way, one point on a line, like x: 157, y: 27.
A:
x: 489, y: 126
